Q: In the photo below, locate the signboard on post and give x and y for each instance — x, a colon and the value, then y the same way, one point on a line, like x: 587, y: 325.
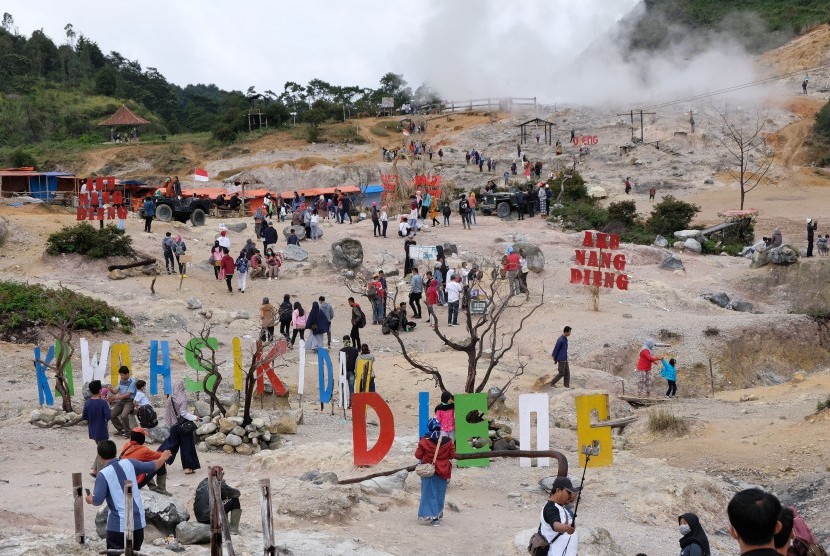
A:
x: 423, y: 252
x: 598, y: 263
x: 478, y: 307
x: 387, y: 102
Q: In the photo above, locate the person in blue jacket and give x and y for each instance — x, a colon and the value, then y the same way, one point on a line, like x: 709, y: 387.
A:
x: 669, y: 372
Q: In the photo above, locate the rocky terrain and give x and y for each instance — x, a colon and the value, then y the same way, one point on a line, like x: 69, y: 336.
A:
x: 769, y: 362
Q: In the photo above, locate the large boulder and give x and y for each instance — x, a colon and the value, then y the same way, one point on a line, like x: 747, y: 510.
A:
x: 385, y: 485
x: 741, y: 306
x: 672, y: 263
x: 165, y: 512
x: 784, y: 255
x: 294, y: 253
x: 597, y: 192
x: 693, y: 245
x: 193, y: 532
x: 299, y: 230
x: 449, y: 248
x: 347, y: 253
x: 194, y: 303
x: 759, y: 259
x: 237, y: 226
x: 160, y: 433
x: 720, y: 299
x: 686, y: 234
x: 660, y: 241
x: 535, y: 257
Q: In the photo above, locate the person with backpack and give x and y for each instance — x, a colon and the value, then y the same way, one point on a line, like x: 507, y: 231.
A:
x: 149, y: 210
x: 358, y: 321
x: 109, y: 488
x: 298, y: 321
x: 464, y: 212
x: 796, y: 538
x: 284, y: 314
x: 179, y: 250
x: 259, y: 218
x: 693, y: 539
x: 556, y: 521
x: 242, y: 270
x: 267, y: 319
x: 319, y: 325
x: 167, y: 245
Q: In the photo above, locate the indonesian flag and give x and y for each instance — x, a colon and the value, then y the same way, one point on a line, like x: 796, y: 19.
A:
x: 200, y: 174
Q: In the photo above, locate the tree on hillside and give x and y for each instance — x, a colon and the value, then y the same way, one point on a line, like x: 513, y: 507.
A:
x: 745, y: 149
x: 394, y: 85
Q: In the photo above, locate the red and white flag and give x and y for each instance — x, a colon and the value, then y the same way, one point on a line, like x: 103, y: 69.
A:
x: 200, y: 174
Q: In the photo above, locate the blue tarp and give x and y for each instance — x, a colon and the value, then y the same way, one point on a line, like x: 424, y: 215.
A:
x: 372, y: 194
x: 45, y: 185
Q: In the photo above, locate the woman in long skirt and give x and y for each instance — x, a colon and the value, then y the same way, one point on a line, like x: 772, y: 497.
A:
x: 434, y: 489
x: 177, y: 406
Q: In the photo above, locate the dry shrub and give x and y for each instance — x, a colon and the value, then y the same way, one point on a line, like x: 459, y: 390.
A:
x: 663, y: 422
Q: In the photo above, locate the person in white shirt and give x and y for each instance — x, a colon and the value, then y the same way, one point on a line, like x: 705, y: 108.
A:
x: 224, y: 240
x: 453, y: 290
x: 140, y: 397
x: 403, y: 228
x: 384, y: 220
x: 556, y: 521
x: 314, y: 223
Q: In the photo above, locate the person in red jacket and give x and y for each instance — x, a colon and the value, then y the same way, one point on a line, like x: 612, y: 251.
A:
x: 135, y: 449
x: 511, y: 268
x: 228, y: 266
x: 647, y: 359
x: 434, y: 489
x: 432, y: 299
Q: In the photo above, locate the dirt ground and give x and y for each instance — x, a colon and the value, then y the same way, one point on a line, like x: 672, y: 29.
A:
x: 768, y: 434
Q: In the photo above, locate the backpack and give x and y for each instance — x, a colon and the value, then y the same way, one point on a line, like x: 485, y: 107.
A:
x: 147, y: 417
x: 805, y: 543
x: 242, y: 265
x: 371, y: 290
x: 361, y: 318
x: 463, y: 206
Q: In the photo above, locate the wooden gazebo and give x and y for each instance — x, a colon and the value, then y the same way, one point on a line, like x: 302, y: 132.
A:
x: 124, y: 117
x: 536, y: 123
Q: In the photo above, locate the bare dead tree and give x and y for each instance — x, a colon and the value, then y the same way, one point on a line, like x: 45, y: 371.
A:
x: 63, y: 358
x: 258, y: 361
x: 747, y: 151
x: 209, y: 363
x: 485, y: 332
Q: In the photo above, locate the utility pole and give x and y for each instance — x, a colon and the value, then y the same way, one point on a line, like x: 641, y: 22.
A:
x: 630, y: 114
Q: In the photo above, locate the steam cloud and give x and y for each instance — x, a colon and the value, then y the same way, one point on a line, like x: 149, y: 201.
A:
x: 567, y: 52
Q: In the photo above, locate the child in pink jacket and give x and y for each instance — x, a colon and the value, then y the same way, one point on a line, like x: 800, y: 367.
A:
x: 445, y: 413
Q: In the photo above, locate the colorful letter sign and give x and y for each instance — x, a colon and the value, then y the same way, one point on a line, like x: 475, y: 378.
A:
x: 471, y: 424
x: 538, y: 404
x: 44, y: 395
x: 160, y: 368
x: 325, y: 375
x: 386, y: 428
x: 600, y: 267
x: 586, y: 434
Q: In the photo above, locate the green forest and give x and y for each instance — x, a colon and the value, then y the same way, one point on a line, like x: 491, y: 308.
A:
x: 58, y: 92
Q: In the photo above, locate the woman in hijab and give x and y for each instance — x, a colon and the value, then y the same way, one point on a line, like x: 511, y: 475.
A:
x: 319, y: 325
x: 176, y: 407
x: 647, y: 359
x: 434, y: 489
x: 693, y: 540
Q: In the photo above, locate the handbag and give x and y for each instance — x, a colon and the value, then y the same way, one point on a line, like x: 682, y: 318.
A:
x: 426, y: 470
x: 538, y: 545
x: 185, y: 425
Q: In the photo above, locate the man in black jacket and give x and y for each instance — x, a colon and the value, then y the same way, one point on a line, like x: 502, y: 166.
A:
x: 230, y: 500
x: 811, y: 228
x: 269, y: 237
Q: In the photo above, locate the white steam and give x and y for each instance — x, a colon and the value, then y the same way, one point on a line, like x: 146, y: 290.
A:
x: 566, y: 52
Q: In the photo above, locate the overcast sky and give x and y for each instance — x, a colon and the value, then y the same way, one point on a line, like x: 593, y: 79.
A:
x: 464, y: 47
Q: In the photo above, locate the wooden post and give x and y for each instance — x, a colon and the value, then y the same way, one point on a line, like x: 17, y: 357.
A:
x: 77, y: 493
x: 220, y: 532
x: 128, y: 518
x: 215, y: 524
x: 712, y: 377
x: 268, y: 547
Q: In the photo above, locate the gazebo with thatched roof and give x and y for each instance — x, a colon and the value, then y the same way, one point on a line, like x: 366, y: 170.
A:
x: 124, y: 117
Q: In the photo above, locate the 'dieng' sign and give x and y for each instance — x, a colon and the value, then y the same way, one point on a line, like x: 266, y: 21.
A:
x: 598, y: 264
